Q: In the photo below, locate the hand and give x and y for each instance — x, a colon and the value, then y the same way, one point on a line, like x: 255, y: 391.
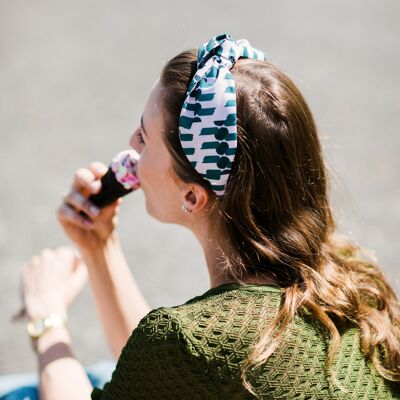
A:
x: 51, y: 281
x: 93, y: 229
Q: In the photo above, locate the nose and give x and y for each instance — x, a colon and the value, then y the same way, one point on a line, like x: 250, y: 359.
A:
x: 134, y: 143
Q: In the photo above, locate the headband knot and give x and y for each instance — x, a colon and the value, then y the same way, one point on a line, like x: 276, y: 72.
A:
x: 207, y: 123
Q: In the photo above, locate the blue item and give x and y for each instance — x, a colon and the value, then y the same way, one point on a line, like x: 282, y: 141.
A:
x: 26, y: 386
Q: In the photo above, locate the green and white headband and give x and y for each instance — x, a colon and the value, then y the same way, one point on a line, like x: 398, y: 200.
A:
x: 207, y: 123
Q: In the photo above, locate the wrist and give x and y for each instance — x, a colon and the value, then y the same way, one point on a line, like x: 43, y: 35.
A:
x: 51, y: 337
x: 37, y: 311
x: 45, y: 333
x: 93, y: 255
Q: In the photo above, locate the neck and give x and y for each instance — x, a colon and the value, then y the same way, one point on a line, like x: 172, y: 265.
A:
x: 215, y: 255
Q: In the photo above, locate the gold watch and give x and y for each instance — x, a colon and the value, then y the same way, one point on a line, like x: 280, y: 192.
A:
x: 38, y: 327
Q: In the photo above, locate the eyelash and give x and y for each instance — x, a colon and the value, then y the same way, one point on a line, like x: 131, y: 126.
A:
x: 140, y: 137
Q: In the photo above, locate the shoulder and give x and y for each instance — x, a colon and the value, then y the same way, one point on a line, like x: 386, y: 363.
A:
x: 209, y: 325
x: 219, y: 327
x: 158, y: 323
x: 234, y: 312
x: 157, y: 330
x: 158, y: 358
x: 217, y: 303
x: 215, y: 325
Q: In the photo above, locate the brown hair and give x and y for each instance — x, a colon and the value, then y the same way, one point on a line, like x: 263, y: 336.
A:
x: 276, y: 216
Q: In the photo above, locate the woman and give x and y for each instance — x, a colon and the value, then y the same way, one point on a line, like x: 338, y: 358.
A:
x: 229, y: 149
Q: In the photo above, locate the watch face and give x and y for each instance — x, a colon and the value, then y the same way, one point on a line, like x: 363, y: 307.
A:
x: 36, y: 328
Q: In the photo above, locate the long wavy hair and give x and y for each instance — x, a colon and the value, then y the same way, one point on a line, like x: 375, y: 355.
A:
x: 276, y: 217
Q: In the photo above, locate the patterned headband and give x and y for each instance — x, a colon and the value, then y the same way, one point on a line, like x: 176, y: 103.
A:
x: 207, y: 123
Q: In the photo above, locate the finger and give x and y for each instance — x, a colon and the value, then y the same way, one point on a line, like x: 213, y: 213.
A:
x: 47, y: 253
x: 46, y: 256
x: 66, y: 253
x: 67, y: 214
x: 65, y: 249
x: 81, y: 203
x: 112, y: 209
x: 78, y: 279
x: 98, y: 169
x: 84, y: 179
x: 70, y: 255
x: 68, y: 250
x: 78, y: 260
x: 80, y: 274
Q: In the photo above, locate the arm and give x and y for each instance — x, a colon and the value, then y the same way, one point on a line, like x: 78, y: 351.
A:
x: 119, y: 301
x: 50, y: 281
x: 61, y: 376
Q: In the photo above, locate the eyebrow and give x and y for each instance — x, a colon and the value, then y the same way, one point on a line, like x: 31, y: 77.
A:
x: 142, y: 126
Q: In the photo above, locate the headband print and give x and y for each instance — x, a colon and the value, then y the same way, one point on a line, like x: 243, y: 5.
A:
x: 207, y: 123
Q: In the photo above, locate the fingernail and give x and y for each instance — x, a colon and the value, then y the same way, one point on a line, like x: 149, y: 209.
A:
x: 87, y: 222
x: 94, y: 210
x: 94, y: 186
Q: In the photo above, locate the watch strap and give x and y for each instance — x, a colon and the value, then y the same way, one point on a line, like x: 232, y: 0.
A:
x: 37, y: 327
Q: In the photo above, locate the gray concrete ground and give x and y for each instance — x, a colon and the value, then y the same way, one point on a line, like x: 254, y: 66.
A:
x: 74, y: 76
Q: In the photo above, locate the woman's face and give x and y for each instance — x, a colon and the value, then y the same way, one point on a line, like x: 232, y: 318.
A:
x: 163, y: 197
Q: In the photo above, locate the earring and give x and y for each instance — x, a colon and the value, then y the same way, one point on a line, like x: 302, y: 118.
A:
x: 184, y: 208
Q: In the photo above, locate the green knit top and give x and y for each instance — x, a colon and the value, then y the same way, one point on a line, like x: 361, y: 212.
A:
x: 195, y: 350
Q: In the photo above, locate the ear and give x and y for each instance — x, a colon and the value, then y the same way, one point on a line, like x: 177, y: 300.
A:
x: 196, y: 198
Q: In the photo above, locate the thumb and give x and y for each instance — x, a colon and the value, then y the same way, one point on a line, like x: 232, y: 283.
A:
x: 78, y: 280
x: 80, y: 274
x: 67, y: 254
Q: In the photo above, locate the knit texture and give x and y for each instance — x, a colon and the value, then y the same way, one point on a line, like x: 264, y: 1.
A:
x: 195, y: 350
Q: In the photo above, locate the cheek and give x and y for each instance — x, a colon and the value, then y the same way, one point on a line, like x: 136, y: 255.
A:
x: 152, y: 175
x: 141, y: 169
x: 146, y: 170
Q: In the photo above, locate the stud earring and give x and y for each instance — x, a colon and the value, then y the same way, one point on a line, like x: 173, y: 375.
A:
x: 184, y: 208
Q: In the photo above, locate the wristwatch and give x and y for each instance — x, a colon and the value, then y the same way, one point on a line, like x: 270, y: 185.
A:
x: 38, y: 327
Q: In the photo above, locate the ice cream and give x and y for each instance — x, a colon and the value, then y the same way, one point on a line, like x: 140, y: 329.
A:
x: 119, y: 180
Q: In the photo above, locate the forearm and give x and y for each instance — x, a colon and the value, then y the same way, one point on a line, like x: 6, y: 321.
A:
x: 61, y: 375
x: 119, y: 300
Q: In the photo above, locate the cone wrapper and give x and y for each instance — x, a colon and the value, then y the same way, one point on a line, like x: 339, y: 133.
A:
x: 119, y: 180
